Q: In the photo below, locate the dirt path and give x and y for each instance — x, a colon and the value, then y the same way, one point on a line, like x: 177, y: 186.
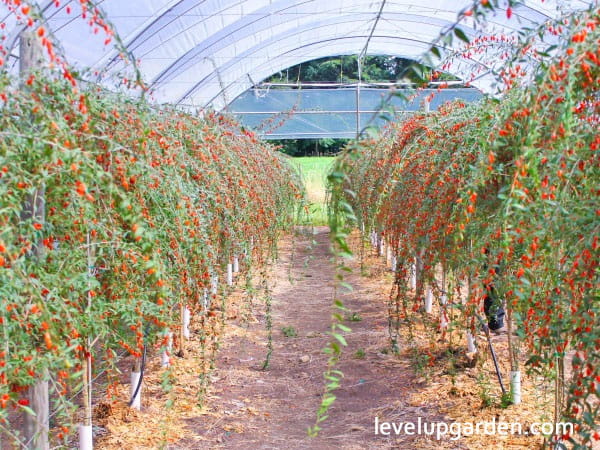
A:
x: 254, y: 409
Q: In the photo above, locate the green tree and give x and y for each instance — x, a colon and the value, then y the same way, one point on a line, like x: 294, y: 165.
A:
x: 310, y: 147
x: 344, y: 69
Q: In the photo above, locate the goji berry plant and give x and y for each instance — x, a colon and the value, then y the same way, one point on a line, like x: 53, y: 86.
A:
x: 503, y: 193
x: 136, y: 210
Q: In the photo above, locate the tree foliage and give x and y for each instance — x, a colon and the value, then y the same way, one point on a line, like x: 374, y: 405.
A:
x: 344, y: 69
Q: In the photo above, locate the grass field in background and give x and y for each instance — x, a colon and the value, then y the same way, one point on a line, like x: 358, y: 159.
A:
x: 314, y: 171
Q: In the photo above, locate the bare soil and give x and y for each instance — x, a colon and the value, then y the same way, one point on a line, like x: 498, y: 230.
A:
x: 252, y: 408
x: 247, y: 407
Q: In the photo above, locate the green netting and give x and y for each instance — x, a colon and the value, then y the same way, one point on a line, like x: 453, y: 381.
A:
x: 321, y: 113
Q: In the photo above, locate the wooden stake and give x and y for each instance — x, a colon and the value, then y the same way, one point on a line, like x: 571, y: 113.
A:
x: 31, y: 58
x: 37, y: 427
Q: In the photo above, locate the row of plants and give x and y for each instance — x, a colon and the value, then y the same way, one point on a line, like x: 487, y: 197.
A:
x: 499, y: 199
x: 115, y: 217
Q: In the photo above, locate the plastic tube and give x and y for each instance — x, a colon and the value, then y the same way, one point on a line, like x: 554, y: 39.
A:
x: 229, y: 274
x: 186, y: 322
x: 86, y: 441
x: 137, y: 400
x: 428, y: 300
x: 443, y: 321
x: 515, y: 386
x: 444, y: 318
x: 165, y: 356
x: 205, y: 300
x: 471, y: 347
x: 214, y: 284
x: 236, y: 264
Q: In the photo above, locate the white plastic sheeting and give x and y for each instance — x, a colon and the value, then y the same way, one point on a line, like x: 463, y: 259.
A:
x: 202, y: 53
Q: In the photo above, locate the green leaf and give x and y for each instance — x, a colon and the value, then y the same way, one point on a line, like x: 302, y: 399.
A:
x: 461, y: 35
x: 28, y: 410
x: 340, y: 339
x: 322, y: 418
x: 328, y: 400
x: 347, y: 286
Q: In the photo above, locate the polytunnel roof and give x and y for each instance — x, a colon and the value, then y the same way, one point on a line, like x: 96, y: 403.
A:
x: 203, y: 53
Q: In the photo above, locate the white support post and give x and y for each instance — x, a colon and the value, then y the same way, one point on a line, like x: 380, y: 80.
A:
x: 413, y: 276
x: 394, y: 263
x: 515, y: 386
x: 418, y: 266
x: 205, y: 300
x: 165, y: 357
x: 471, y: 347
x: 86, y: 438
x: 135, y: 379
x: 229, y: 274
x: 443, y: 301
x: 165, y: 360
x: 471, y: 344
x: 443, y: 320
x: 388, y: 254
x: 214, y: 284
x: 85, y: 429
x: 236, y: 264
x: 428, y: 300
x: 186, y: 322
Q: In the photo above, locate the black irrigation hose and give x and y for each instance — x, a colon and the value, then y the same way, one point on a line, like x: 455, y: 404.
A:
x: 486, y: 330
